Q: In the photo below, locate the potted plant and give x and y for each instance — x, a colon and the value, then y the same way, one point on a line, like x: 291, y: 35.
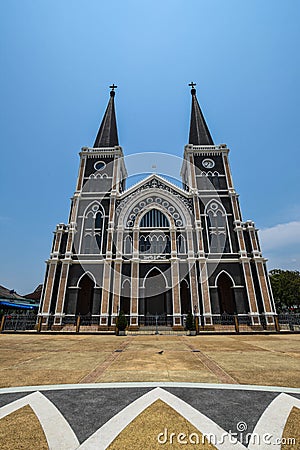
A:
x: 121, y: 324
x: 190, y: 324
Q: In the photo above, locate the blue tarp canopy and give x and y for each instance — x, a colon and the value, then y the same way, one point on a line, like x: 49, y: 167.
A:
x: 17, y: 305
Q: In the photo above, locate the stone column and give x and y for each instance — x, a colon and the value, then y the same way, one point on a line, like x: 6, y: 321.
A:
x: 81, y: 173
x: 207, y: 316
x: 61, y: 294
x: 194, y: 288
x: 259, y: 261
x: 235, y: 207
x: 45, y: 311
x: 134, y: 295
x: 175, y: 281
x: 250, y: 291
x: 116, y: 289
x: 267, y: 301
x: 227, y: 169
x: 176, y: 294
x: 105, y: 295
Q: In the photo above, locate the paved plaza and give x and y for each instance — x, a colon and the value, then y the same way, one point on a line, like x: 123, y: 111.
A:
x: 149, y: 392
x: 272, y: 360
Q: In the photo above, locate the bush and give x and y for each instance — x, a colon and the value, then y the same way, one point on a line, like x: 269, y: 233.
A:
x: 190, y: 322
x: 122, y: 321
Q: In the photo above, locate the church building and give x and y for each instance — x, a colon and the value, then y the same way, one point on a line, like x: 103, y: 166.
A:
x: 155, y: 250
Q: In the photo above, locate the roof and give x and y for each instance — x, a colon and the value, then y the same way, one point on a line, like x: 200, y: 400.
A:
x: 9, y: 293
x: 199, y: 132
x: 154, y: 176
x: 108, y: 134
x: 17, y: 305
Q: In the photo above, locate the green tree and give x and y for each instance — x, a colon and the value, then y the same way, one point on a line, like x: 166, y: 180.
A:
x: 122, y: 321
x: 190, y: 322
x: 286, y: 288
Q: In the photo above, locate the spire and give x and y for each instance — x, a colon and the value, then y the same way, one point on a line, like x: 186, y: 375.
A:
x: 199, y: 132
x: 108, y: 134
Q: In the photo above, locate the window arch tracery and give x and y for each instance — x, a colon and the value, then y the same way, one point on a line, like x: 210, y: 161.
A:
x: 217, y: 227
x: 181, y: 244
x: 93, y: 226
x: 154, y: 219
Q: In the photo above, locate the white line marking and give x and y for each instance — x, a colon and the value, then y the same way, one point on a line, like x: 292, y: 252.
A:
x: 104, y: 436
x: 58, y: 432
x: 237, y: 387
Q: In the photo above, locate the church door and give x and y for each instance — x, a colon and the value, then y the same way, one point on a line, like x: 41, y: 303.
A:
x: 155, y: 293
x: 226, y: 295
x: 85, y: 296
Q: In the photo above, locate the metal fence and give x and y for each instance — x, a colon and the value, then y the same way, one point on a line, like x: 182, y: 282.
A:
x: 289, y: 322
x: 156, y: 320
x: 19, y: 322
x: 157, y: 323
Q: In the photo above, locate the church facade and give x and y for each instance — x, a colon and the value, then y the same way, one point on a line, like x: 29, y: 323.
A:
x: 155, y: 250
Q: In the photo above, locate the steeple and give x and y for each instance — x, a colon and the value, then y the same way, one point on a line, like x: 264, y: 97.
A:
x: 108, y: 134
x: 199, y: 132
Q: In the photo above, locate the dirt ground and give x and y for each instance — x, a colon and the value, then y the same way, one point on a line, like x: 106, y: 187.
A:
x: 59, y: 359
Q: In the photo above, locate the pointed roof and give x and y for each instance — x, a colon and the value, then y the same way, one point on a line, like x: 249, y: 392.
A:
x: 199, y: 132
x: 108, y: 134
x: 158, y: 178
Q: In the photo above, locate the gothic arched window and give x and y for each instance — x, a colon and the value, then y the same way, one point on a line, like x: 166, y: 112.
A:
x: 181, y: 244
x: 154, y: 244
x: 93, y: 226
x: 154, y: 219
x: 127, y: 250
x: 217, y: 227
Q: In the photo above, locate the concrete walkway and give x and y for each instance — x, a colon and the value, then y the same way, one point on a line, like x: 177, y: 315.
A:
x: 100, y: 416
x: 149, y: 392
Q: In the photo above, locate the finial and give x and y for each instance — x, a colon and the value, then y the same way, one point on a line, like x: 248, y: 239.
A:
x: 113, y: 87
x: 193, y: 90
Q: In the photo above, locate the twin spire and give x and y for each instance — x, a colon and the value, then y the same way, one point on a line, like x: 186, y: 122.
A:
x: 108, y: 134
x: 199, y: 132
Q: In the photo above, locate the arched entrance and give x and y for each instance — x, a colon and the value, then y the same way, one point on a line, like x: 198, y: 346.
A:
x: 85, y: 296
x: 185, y: 298
x: 156, y: 299
x: 155, y: 293
x: 226, y: 294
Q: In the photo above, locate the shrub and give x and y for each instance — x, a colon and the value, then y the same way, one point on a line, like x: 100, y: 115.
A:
x: 122, y: 321
x: 190, y: 322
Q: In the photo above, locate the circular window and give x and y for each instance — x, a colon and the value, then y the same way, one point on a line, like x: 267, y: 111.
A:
x: 99, y: 165
x: 208, y: 163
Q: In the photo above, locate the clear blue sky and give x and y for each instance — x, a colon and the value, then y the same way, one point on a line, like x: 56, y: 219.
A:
x: 57, y: 61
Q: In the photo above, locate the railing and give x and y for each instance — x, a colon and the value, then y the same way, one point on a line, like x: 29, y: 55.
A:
x: 153, y: 320
x: 221, y: 323
x: 19, y: 322
x: 289, y: 322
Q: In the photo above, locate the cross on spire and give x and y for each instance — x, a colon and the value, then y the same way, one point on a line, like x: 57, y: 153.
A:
x: 113, y: 87
x: 192, y: 85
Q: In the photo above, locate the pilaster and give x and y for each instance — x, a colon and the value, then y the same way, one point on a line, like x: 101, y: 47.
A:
x: 61, y: 293
x: 176, y: 294
x: 134, y: 295
x: 207, y: 315
x: 116, y: 290
x: 105, y: 294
